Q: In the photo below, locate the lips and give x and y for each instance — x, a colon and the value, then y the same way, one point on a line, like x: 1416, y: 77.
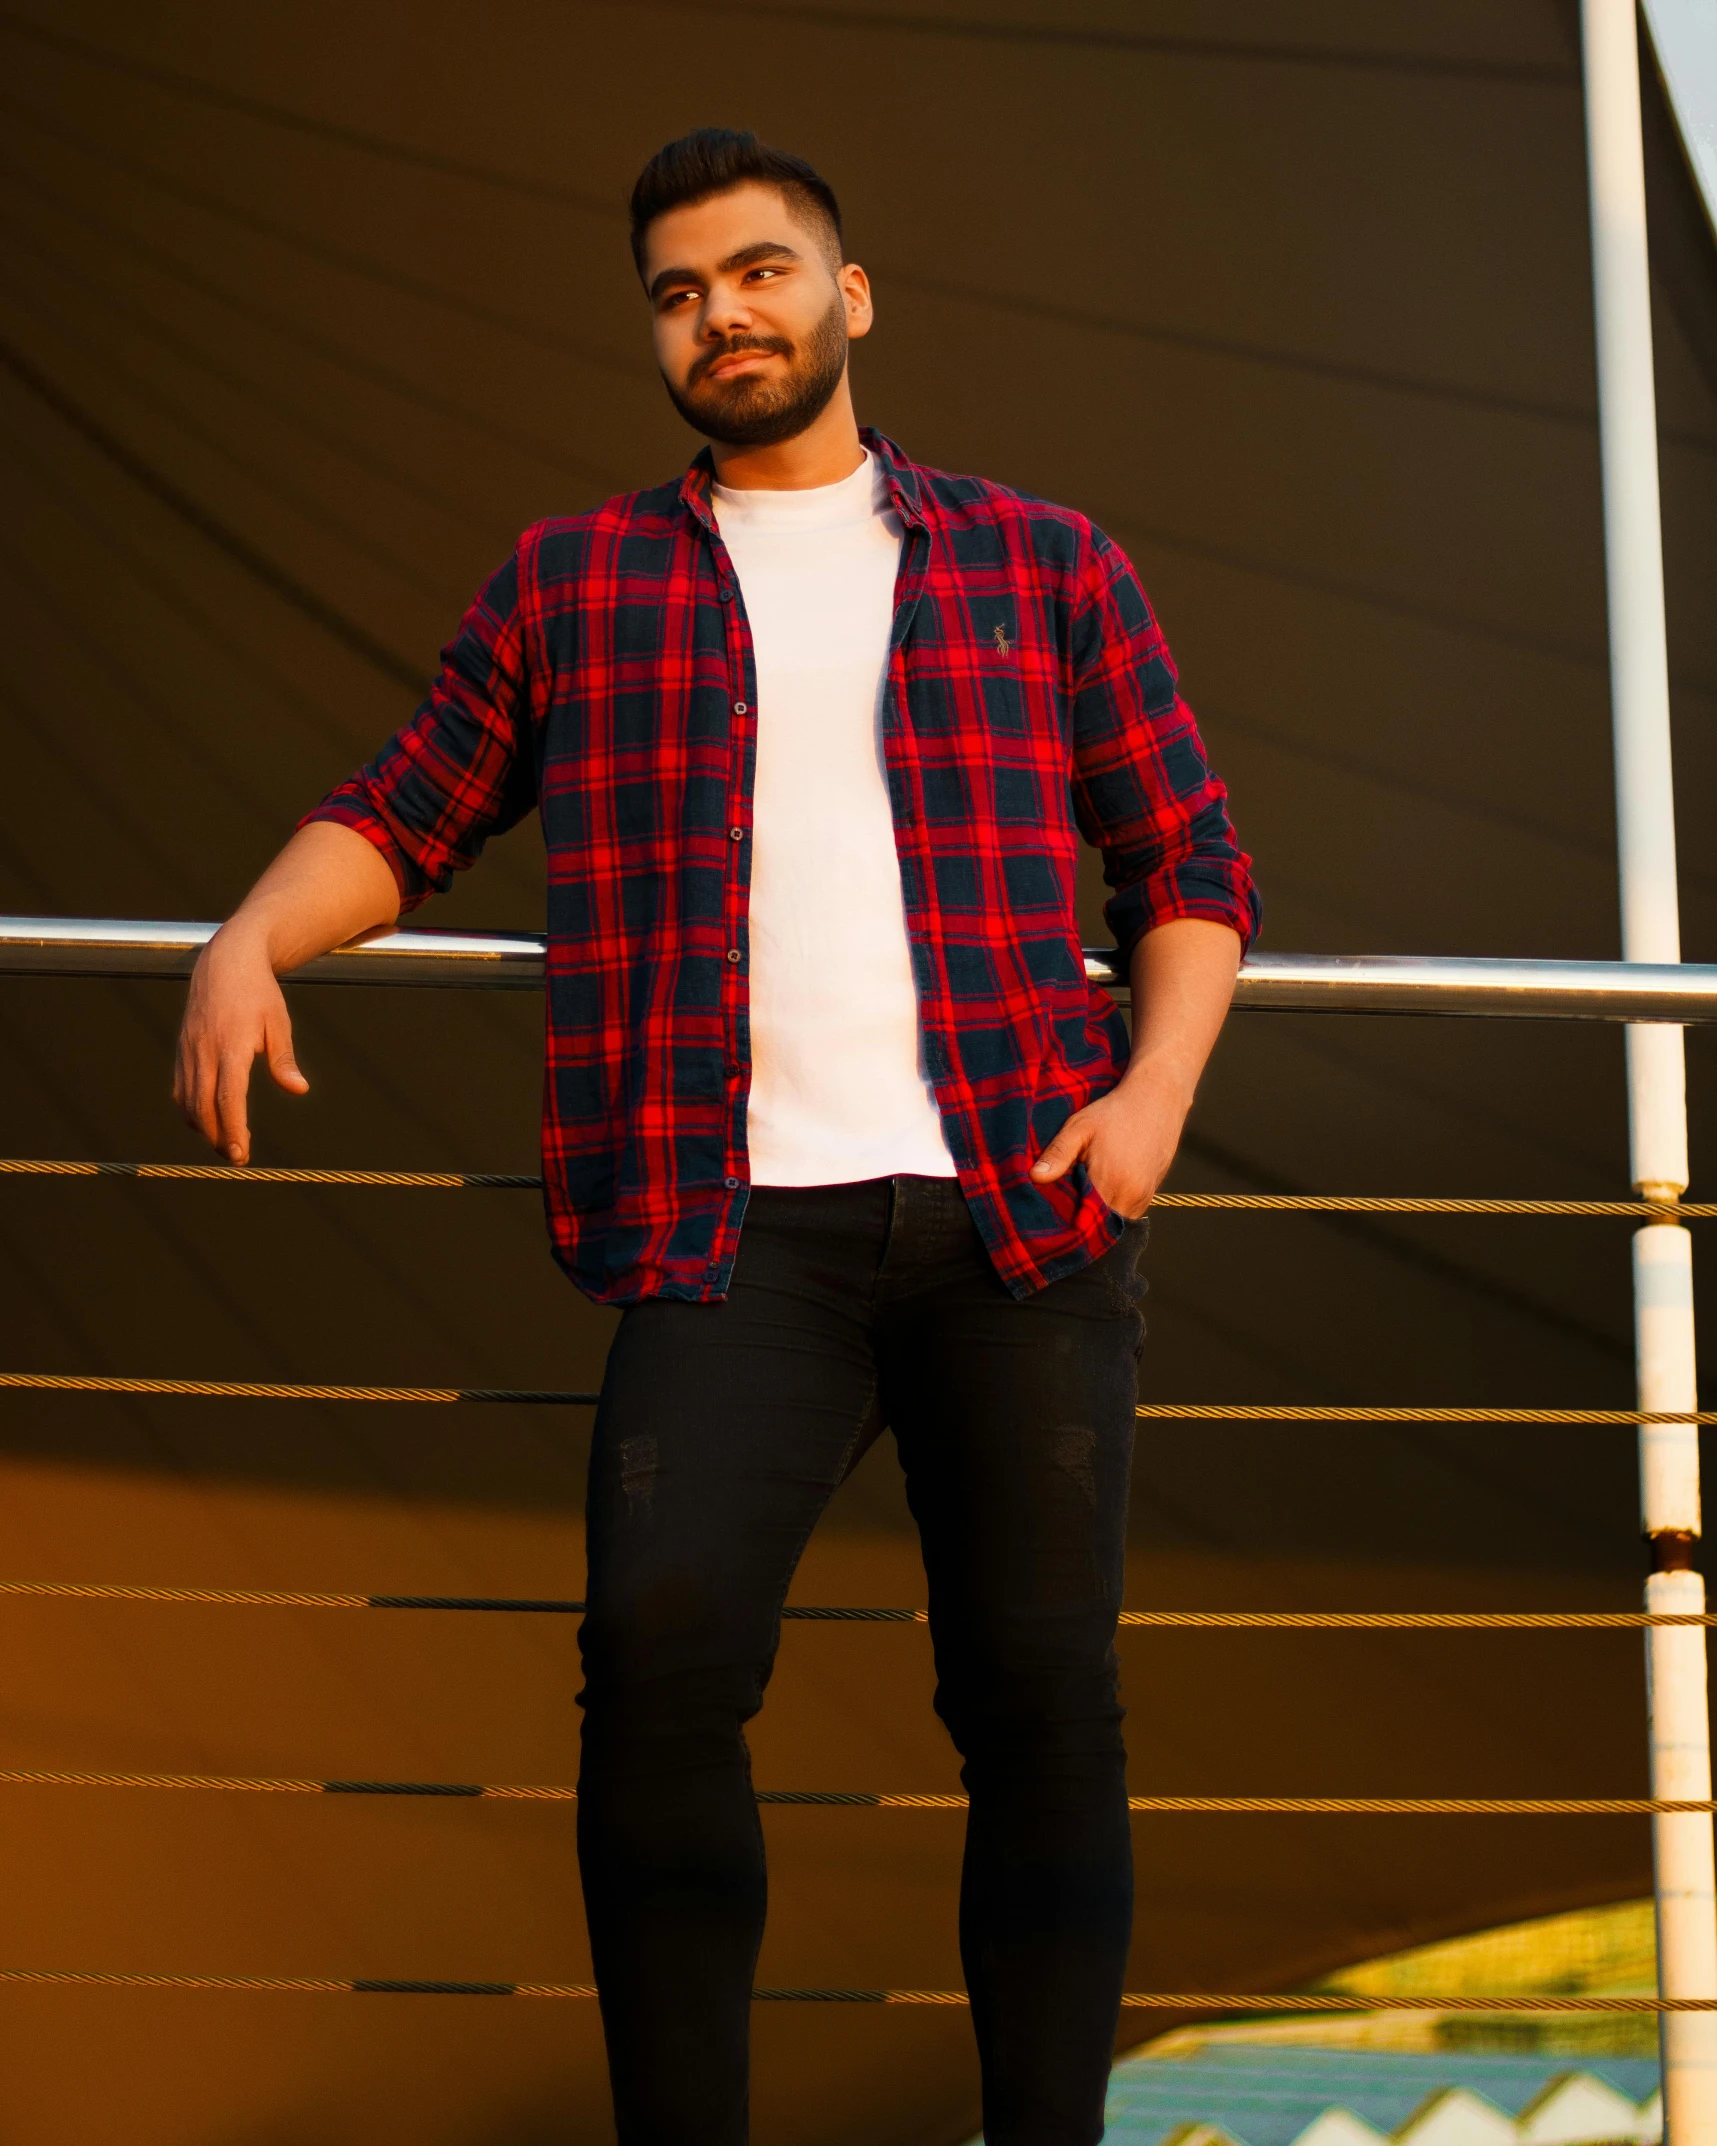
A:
x: 740, y: 363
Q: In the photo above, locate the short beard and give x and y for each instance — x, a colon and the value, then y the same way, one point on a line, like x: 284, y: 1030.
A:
x: 749, y: 412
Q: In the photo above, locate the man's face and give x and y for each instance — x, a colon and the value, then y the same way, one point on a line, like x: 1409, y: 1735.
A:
x: 751, y: 322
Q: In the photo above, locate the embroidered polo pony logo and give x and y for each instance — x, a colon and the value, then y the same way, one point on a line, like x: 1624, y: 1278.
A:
x: 1004, y: 647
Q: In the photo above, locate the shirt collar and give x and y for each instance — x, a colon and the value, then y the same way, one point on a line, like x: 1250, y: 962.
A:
x: 904, y: 490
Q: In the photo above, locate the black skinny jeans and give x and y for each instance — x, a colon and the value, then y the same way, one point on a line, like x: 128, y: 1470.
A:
x: 722, y: 1432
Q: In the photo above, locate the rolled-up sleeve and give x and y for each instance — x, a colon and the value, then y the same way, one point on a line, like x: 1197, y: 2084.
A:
x: 464, y: 767
x: 1143, y: 790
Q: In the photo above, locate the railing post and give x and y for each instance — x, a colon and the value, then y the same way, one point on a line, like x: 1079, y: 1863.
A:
x: 1657, y: 1101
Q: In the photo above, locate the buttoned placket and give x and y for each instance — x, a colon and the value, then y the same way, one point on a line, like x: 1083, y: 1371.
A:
x: 908, y: 831
x: 742, y: 733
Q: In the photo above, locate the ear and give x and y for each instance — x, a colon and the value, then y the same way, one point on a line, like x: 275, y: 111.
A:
x: 855, y: 289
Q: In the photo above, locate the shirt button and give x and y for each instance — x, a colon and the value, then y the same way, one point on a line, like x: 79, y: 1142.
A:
x: 739, y: 707
x: 736, y: 834
x: 725, y: 593
x: 733, y: 1072
x: 733, y: 953
x: 732, y: 1183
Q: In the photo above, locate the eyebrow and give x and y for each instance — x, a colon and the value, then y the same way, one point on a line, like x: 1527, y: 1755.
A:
x: 766, y: 249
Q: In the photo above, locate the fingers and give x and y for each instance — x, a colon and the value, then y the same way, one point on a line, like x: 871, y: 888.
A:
x: 1126, y: 1176
x: 231, y: 1133
x: 1063, y: 1151
x: 233, y: 1017
x: 1125, y: 1190
x: 282, y: 1065
x: 197, y: 1092
x: 194, y: 1077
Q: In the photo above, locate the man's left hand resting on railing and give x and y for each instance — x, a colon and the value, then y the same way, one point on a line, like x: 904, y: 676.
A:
x: 326, y: 886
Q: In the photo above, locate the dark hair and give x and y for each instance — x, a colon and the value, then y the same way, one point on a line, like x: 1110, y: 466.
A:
x: 713, y: 160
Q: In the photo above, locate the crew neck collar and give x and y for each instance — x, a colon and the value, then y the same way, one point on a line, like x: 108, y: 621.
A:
x: 905, y: 492
x: 850, y: 498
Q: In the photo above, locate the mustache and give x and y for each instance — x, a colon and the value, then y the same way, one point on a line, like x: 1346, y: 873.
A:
x: 776, y: 345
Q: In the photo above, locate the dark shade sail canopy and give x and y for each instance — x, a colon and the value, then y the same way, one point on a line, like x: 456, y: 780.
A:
x: 308, y: 310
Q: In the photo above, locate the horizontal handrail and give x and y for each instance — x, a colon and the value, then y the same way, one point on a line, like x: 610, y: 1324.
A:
x: 1511, y: 989
x: 123, y: 946
x: 1517, y: 989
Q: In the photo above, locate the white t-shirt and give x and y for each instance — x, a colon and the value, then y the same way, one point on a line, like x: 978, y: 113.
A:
x: 838, y: 1092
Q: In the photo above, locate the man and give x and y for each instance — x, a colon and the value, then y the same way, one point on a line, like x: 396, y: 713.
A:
x: 831, y: 1108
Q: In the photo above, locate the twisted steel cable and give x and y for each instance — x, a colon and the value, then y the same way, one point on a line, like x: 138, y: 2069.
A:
x: 1306, y: 1203
x: 1346, y: 2001
x: 262, y: 1174
x: 884, y: 1800
x: 283, y: 1390
x: 1319, y: 1412
x: 826, y: 1613
x: 1172, y: 1411
x: 1410, y: 1620
x: 1337, y: 1203
x: 1158, y: 2000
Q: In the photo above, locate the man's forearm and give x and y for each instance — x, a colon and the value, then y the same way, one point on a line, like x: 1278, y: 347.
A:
x: 325, y: 887
x: 1182, y: 976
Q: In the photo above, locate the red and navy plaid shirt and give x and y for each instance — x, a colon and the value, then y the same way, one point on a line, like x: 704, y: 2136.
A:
x: 605, y: 675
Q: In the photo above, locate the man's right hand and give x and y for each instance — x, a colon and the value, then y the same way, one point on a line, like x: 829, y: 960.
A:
x: 327, y: 885
x: 235, y: 1014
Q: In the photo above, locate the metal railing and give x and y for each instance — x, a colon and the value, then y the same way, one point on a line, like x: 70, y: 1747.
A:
x: 1673, y: 1620
x: 1516, y: 989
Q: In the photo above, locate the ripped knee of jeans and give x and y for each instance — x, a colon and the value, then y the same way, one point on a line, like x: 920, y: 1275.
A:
x: 638, y: 1459
x: 1073, y: 1449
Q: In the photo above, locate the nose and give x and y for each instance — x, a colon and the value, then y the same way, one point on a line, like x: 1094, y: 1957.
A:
x: 725, y: 313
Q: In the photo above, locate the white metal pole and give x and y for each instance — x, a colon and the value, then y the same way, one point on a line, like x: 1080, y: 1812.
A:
x: 1657, y: 1100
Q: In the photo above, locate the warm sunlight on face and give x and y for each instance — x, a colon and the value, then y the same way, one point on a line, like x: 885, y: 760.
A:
x: 751, y: 319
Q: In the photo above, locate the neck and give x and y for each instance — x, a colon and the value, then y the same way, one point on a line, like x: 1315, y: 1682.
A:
x: 825, y: 452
